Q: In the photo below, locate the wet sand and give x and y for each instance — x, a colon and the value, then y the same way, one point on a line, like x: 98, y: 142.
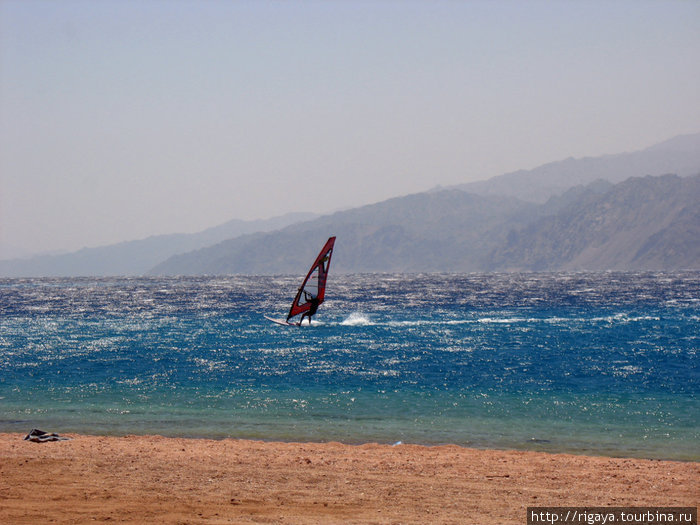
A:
x: 152, y: 479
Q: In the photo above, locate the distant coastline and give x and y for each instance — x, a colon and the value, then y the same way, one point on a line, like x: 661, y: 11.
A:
x: 616, y: 212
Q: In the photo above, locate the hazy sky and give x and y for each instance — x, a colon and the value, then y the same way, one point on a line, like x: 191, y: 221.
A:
x: 123, y: 119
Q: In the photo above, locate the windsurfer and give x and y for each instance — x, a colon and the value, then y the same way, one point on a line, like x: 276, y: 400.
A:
x: 313, y: 306
x: 312, y: 291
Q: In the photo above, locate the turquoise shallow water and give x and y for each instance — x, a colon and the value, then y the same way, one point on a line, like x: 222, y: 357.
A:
x: 590, y: 363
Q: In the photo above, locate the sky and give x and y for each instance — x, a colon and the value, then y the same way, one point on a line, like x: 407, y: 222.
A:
x: 125, y: 119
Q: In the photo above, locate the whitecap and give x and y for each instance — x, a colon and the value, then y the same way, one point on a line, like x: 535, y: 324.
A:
x: 356, y: 319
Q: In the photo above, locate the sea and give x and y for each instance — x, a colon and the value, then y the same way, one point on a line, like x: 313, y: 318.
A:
x: 585, y: 363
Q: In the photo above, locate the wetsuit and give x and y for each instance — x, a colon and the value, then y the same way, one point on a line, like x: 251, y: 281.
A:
x: 312, y: 310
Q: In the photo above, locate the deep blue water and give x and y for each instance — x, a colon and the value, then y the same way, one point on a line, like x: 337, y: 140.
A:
x: 603, y: 363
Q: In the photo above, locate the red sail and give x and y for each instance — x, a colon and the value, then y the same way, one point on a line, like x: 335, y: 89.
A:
x: 313, y: 289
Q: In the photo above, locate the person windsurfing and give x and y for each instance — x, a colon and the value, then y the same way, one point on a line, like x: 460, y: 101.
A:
x: 312, y: 291
x: 313, y: 306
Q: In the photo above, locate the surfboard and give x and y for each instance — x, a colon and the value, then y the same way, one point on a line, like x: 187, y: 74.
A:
x: 279, y: 321
x: 312, y: 291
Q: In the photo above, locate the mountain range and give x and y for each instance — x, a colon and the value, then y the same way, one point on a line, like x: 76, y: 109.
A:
x: 649, y: 223
x: 139, y: 256
x: 632, y: 211
x: 680, y: 156
x: 644, y: 223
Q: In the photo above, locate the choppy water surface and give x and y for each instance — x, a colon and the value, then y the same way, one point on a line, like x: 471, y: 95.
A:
x: 593, y: 363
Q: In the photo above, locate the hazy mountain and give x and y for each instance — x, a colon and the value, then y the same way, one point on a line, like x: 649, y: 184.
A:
x: 439, y: 231
x: 137, y: 257
x: 644, y: 223
x: 680, y: 155
x: 572, y: 214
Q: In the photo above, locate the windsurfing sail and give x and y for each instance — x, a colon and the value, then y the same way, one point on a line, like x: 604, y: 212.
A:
x: 313, y: 290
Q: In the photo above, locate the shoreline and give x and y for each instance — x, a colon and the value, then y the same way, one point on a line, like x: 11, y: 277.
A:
x: 532, y: 445
x: 136, y: 479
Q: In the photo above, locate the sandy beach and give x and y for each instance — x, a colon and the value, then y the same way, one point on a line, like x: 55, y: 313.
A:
x: 152, y: 479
